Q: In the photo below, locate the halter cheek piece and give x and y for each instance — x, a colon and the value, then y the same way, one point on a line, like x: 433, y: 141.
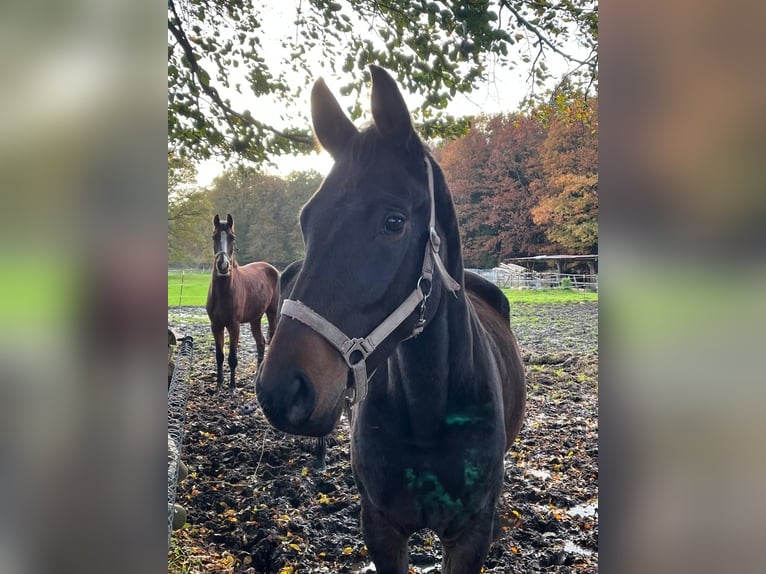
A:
x: 355, y: 351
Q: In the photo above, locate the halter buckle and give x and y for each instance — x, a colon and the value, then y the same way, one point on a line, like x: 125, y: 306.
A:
x: 436, y: 241
x: 352, y: 345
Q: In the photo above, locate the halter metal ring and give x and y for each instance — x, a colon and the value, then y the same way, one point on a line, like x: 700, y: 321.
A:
x: 426, y: 295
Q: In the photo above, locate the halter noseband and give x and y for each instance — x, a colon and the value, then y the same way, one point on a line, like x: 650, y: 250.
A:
x: 366, y: 345
x: 215, y: 266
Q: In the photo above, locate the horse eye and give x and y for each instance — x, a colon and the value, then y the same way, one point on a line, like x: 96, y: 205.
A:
x: 394, y: 223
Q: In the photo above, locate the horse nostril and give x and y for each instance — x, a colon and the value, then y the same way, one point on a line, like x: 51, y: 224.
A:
x: 299, y: 399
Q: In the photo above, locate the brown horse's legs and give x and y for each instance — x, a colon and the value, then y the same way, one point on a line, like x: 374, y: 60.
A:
x: 387, y: 546
x: 219, y: 340
x: 260, y: 344
x: 271, y: 315
x: 233, y: 345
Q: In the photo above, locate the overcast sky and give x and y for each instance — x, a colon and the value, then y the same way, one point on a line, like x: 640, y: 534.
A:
x: 502, y: 93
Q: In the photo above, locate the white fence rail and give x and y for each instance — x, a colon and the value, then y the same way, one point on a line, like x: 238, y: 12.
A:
x: 522, y: 278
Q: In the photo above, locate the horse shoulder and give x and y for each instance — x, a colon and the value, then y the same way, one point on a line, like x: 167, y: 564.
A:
x: 258, y: 288
x: 266, y: 272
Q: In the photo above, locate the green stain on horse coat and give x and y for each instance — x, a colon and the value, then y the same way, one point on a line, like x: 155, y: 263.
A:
x: 472, y: 473
x: 430, y: 494
x: 460, y: 419
x: 472, y: 415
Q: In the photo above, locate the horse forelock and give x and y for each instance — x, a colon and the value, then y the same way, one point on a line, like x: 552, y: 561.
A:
x: 369, y: 147
x: 368, y: 156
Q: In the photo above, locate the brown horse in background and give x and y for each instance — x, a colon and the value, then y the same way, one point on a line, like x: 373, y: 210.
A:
x: 238, y: 294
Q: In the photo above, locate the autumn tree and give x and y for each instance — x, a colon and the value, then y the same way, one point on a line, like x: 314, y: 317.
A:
x: 463, y: 161
x: 514, y: 169
x: 493, y: 173
x: 569, y: 208
x: 188, y: 215
x: 218, y: 49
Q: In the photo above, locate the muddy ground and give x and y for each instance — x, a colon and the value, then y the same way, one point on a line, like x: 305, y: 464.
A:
x: 257, y: 504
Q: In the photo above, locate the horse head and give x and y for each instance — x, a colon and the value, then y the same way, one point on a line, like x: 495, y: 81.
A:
x: 369, y: 233
x: 223, y: 245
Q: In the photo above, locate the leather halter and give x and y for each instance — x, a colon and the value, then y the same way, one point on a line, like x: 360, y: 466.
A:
x: 356, y: 350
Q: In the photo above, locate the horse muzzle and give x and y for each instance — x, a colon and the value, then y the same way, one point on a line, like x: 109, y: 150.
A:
x: 222, y: 264
x: 301, y: 386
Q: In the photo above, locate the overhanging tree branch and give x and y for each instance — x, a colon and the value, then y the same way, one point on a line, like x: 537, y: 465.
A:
x: 175, y: 27
x: 541, y: 37
x: 435, y: 50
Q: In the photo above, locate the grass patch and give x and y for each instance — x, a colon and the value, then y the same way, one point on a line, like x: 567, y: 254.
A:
x: 549, y: 296
x: 190, y: 290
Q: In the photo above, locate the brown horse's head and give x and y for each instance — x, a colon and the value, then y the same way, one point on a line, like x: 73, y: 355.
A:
x: 365, y: 231
x: 223, y: 245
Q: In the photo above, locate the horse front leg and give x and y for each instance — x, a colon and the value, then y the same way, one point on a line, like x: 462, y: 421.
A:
x: 387, y: 544
x: 260, y: 344
x: 233, y: 345
x: 219, y: 341
x: 465, y: 552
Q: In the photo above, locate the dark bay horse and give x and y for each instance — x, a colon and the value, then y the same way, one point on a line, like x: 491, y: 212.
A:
x: 382, y: 315
x: 238, y: 294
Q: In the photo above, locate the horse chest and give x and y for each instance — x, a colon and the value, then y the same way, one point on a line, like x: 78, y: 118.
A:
x: 223, y: 305
x: 428, y: 487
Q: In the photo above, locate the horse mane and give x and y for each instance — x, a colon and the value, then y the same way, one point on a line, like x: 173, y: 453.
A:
x: 287, y: 278
x: 489, y: 292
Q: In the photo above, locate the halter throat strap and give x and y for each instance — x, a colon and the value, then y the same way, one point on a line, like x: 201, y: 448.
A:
x: 356, y: 350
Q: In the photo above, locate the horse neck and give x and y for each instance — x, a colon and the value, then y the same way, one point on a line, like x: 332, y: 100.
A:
x: 428, y: 368
x: 225, y: 283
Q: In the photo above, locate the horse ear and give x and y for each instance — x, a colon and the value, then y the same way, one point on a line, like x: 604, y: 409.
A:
x: 229, y: 220
x: 216, y: 220
x: 331, y: 126
x: 389, y: 109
